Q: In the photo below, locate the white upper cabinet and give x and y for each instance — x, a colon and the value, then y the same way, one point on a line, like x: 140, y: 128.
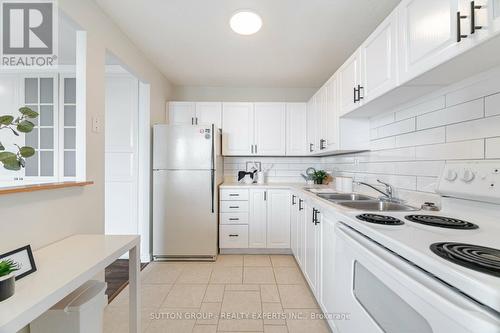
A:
x: 278, y: 219
x: 312, y: 124
x: 237, y: 129
x: 270, y: 136
x: 182, y: 113
x: 331, y: 130
x: 378, y: 60
x: 296, y: 129
x: 322, y: 118
x: 493, y: 7
x: 349, y: 79
x: 429, y: 35
x: 208, y: 113
x: 257, y: 222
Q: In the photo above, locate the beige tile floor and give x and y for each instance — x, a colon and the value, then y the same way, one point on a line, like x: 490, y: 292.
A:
x: 237, y: 293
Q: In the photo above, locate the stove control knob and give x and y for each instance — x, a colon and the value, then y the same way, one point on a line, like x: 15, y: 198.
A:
x: 468, y: 176
x: 451, y: 175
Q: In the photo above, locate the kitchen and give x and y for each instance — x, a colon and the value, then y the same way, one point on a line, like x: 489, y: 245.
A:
x: 367, y: 203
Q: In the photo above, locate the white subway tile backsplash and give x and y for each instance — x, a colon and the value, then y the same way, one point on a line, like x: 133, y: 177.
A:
x: 384, y: 119
x: 475, y: 129
x: 419, y: 109
x: 492, y: 105
x: 420, y: 168
x: 390, y: 155
x: 399, y: 127
x: 425, y: 137
x: 480, y: 89
x: 455, y: 114
x: 427, y: 184
x: 493, y: 148
x: 464, y: 150
x: 381, y: 144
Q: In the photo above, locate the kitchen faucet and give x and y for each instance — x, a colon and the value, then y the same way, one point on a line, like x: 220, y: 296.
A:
x: 387, y: 195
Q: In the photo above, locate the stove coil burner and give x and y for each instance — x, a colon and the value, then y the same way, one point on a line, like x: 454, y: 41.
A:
x: 479, y: 258
x: 441, y: 222
x: 379, y: 219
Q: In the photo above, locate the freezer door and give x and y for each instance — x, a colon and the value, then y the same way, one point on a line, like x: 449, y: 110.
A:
x: 184, y: 213
x: 184, y: 147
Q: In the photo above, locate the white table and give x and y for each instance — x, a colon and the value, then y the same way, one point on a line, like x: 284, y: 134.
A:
x: 63, y: 267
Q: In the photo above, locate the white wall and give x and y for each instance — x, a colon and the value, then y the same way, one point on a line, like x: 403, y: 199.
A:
x: 242, y: 94
x: 40, y: 218
x: 411, y: 144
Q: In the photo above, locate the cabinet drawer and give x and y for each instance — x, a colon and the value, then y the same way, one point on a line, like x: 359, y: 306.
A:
x: 234, y: 206
x: 233, y: 236
x: 233, y: 218
x: 234, y: 194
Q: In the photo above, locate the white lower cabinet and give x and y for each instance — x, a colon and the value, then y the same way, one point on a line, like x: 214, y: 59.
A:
x: 327, y: 264
x: 301, y: 234
x: 312, y: 244
x: 257, y: 223
x: 233, y: 236
x: 294, y: 212
x: 278, y: 219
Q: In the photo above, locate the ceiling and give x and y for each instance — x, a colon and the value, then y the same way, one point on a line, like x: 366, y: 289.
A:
x: 301, y: 43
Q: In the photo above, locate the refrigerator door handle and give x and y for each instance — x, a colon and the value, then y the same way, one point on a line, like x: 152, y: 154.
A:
x: 212, y: 180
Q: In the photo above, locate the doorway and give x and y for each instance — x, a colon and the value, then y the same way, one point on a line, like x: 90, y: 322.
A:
x: 127, y: 154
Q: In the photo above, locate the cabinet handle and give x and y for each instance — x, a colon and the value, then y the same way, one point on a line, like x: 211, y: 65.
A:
x: 265, y: 195
x: 300, y: 204
x: 256, y: 149
x: 316, y: 222
x: 322, y: 144
x: 293, y: 200
x: 252, y: 149
x: 233, y: 235
x: 234, y: 207
x: 459, y: 27
x: 192, y: 121
x: 311, y: 145
x: 355, y: 94
x: 234, y: 219
x: 314, y: 216
x: 234, y: 195
x: 359, y: 93
x: 473, y: 26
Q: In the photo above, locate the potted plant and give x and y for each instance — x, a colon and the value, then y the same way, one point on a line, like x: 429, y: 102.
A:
x: 7, y: 278
x: 319, y: 176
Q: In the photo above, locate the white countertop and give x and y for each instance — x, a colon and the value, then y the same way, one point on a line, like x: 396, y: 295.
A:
x: 61, y: 268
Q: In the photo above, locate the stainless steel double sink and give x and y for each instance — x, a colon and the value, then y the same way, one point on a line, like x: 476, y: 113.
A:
x: 364, y: 202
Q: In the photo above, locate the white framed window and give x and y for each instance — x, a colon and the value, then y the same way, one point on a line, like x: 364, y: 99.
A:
x: 54, y: 137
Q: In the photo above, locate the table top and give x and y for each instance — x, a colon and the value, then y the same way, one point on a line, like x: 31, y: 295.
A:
x: 61, y: 268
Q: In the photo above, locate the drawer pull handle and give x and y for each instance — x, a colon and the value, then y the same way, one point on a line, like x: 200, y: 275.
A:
x: 234, y: 219
x: 232, y: 235
x: 234, y: 195
x: 234, y: 206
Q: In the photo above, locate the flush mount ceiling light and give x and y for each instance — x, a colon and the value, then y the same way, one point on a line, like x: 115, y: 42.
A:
x: 245, y: 22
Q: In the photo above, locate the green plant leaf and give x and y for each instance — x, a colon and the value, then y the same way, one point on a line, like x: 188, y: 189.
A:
x: 26, y: 152
x: 6, y: 155
x: 25, y: 126
x: 13, y: 165
x: 6, y: 120
x: 28, y: 112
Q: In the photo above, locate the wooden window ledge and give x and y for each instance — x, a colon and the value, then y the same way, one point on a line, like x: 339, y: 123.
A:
x: 42, y: 187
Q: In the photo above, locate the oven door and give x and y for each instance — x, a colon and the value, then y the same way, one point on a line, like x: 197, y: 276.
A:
x: 381, y: 292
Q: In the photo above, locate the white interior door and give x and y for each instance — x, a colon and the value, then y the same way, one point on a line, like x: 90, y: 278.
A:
x: 121, y: 154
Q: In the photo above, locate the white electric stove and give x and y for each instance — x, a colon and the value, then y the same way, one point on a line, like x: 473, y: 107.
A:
x: 425, y: 271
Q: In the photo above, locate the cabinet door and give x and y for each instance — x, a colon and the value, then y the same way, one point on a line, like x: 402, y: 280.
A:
x: 332, y: 113
x: 208, y: 113
x: 237, y: 129
x: 301, y: 233
x: 270, y: 122
x: 322, y: 121
x: 182, y: 113
x: 327, y: 264
x: 278, y: 219
x: 348, y: 75
x: 378, y: 60
x: 296, y: 129
x: 493, y: 8
x: 311, y: 125
x: 428, y: 35
x: 257, y: 223
x: 310, y: 250
x: 293, y: 224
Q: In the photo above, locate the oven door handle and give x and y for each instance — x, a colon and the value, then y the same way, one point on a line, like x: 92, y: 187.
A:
x: 415, y: 282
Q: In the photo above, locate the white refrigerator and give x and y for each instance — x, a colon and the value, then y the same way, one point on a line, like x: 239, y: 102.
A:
x: 187, y: 169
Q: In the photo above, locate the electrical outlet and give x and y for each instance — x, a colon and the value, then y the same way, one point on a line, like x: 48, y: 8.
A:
x: 96, y: 124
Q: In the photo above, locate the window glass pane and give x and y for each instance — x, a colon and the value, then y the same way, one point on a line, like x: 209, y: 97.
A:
x: 30, y: 90
x: 32, y: 166
x: 70, y: 90
x: 47, y: 115
x: 34, y: 108
x: 69, y: 138
x: 32, y: 138
x: 47, y: 90
x: 69, y: 115
x: 46, y: 163
x: 69, y: 164
x: 46, y: 138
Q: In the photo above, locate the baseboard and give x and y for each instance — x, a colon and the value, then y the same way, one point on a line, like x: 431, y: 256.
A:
x: 255, y: 251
